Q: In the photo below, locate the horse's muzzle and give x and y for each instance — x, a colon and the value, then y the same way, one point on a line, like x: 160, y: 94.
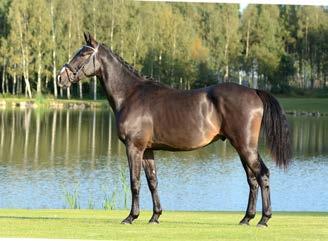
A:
x: 59, y: 81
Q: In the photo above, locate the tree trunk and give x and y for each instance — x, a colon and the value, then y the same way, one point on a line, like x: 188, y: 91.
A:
x: 38, y: 88
x: 27, y: 80
x: 226, y: 73
x: 160, y: 65
x: 247, y: 38
x: 54, y: 73
x: 25, y: 72
x: 254, y: 79
x: 14, y: 83
x: 80, y: 83
x: 3, y: 76
x: 112, y: 26
x: 94, y: 34
x: 122, y: 47
x: 173, y: 55
x: 7, y: 82
x: 47, y: 81
x: 68, y: 90
x: 69, y: 93
x: 80, y: 90
x: 54, y: 70
x: 19, y: 85
x: 136, y: 48
x: 226, y: 51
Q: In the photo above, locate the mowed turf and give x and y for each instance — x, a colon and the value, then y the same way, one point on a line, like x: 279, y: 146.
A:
x: 200, y: 226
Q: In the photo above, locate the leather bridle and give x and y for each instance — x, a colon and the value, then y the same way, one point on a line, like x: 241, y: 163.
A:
x: 75, y: 71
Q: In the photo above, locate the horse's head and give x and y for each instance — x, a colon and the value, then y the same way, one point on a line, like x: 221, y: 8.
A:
x: 84, y: 64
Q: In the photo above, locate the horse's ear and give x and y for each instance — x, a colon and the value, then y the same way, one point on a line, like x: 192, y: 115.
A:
x: 87, y: 37
x: 93, y: 42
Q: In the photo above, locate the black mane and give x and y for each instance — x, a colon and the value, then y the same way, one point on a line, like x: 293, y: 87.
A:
x: 131, y: 68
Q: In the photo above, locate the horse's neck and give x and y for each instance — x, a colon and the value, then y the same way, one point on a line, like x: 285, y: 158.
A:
x: 118, y: 82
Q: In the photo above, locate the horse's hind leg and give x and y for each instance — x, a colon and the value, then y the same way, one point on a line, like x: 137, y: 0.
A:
x: 264, y: 178
x: 151, y: 175
x: 253, y: 191
x: 261, y: 172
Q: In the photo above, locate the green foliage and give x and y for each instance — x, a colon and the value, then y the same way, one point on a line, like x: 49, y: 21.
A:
x: 40, y: 100
x: 176, y: 43
x: 125, y: 187
x: 91, y: 203
x: 109, y: 202
x: 72, y: 199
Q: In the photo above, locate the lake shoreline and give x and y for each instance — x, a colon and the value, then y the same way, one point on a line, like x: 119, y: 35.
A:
x: 293, y: 106
x: 75, y: 104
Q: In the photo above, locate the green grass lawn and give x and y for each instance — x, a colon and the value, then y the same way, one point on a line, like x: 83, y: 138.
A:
x: 305, y: 104
x: 200, y: 226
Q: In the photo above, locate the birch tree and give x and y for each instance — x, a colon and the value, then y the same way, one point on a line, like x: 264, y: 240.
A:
x: 40, y: 27
x: 20, y: 36
x: 223, y: 36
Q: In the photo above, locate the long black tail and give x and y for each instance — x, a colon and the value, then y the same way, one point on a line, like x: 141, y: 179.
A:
x: 276, y: 129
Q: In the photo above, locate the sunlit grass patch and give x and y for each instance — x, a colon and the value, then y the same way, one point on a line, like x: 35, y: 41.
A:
x: 96, y: 224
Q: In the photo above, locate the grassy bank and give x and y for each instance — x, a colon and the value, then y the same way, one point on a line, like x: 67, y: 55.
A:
x: 51, y: 103
x: 305, y: 104
x: 200, y: 226
x: 290, y: 104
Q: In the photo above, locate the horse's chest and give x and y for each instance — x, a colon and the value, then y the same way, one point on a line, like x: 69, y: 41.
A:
x: 134, y: 127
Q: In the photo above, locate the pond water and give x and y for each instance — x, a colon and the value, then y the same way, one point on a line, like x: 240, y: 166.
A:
x: 46, y: 155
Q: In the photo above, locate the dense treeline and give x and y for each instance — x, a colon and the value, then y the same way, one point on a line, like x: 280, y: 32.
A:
x: 184, y: 45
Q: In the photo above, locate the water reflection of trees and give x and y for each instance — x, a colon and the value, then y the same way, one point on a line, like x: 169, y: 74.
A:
x: 33, y: 136
x: 46, y: 138
x: 310, y: 135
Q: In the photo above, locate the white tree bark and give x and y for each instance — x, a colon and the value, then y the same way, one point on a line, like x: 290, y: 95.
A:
x: 54, y: 70
x: 38, y: 88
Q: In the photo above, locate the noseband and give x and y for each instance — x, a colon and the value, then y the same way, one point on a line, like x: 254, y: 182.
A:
x: 75, y: 71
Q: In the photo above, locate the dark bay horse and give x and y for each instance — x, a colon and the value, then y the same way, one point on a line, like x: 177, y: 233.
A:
x: 151, y: 116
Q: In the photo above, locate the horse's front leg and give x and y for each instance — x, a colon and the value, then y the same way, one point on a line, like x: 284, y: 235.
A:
x: 151, y: 174
x: 135, y: 156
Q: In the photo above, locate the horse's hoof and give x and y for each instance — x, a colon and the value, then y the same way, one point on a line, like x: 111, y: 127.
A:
x: 126, y: 222
x: 153, y: 222
x: 262, y: 225
x: 244, y: 223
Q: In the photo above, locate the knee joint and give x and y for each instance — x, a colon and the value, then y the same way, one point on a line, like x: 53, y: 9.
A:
x: 252, y: 182
x: 135, y: 186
